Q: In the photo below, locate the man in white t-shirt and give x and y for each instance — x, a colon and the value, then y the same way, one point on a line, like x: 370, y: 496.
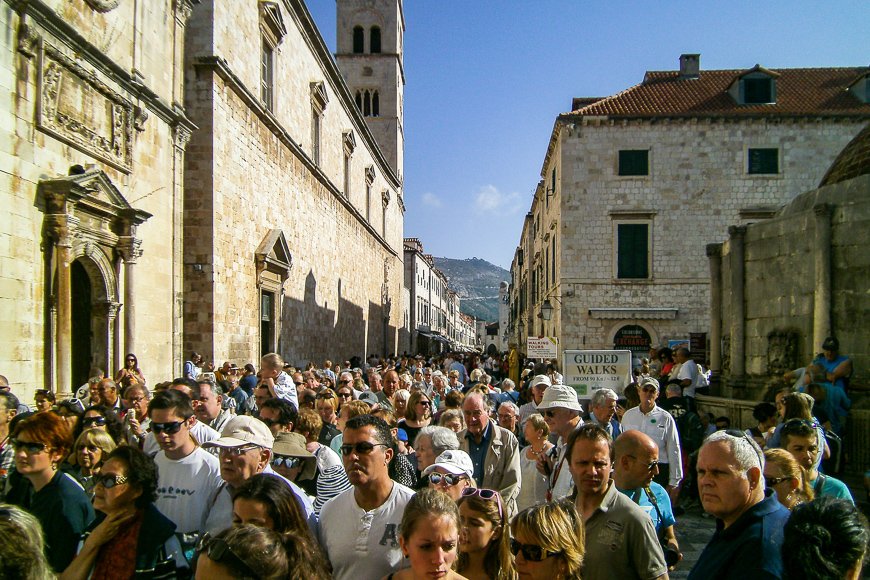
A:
x: 200, y: 431
x: 189, y: 477
x: 688, y: 375
x: 359, y: 528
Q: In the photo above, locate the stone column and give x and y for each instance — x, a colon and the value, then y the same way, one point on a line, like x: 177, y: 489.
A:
x: 738, y: 314
x: 822, y: 294
x: 58, y: 227
x: 129, y: 248
x: 714, y: 255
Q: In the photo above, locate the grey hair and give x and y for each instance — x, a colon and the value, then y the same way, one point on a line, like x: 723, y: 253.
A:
x: 442, y: 438
x: 674, y: 388
x: 601, y: 396
x: 745, y: 450
x: 487, y: 404
x: 402, y: 394
x: 345, y: 375
x: 507, y: 382
x: 509, y: 405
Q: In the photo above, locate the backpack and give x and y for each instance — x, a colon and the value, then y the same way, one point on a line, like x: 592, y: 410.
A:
x: 834, y: 464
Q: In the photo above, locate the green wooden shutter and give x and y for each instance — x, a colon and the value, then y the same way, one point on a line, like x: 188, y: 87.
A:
x: 633, y: 251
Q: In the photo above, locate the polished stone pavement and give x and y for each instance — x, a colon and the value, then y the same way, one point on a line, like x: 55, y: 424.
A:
x: 693, y: 533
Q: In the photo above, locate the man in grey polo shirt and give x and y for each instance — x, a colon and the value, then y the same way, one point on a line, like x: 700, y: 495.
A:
x: 621, y: 541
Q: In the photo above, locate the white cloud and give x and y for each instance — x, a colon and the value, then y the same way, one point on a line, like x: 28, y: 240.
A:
x: 431, y: 200
x: 490, y: 200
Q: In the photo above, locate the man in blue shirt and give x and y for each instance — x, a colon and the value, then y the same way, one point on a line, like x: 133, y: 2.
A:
x: 838, y: 368
x: 749, y: 519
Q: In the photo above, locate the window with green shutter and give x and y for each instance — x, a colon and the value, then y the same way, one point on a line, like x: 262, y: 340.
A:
x: 763, y: 161
x: 632, y: 251
x: 633, y: 162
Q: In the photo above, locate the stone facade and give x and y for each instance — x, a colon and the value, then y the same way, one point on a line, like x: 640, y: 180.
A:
x: 804, y: 277
x: 93, y: 140
x: 696, y: 180
x: 294, y: 217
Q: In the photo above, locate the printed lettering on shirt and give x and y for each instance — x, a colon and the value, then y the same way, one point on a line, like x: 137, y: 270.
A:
x: 172, y: 491
x: 390, y: 536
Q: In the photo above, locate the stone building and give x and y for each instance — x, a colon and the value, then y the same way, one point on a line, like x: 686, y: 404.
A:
x: 635, y: 185
x: 93, y: 137
x: 780, y: 286
x: 434, y: 306
x: 293, y: 211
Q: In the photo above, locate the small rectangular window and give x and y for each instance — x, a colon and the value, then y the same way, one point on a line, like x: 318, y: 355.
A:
x: 763, y: 161
x: 632, y: 251
x: 757, y: 91
x: 267, y: 64
x: 634, y: 162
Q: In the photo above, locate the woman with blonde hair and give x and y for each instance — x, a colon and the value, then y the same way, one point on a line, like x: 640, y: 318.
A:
x: 549, y: 542
x: 484, y: 549
x: 400, y: 402
x: 22, y: 549
x: 88, y: 455
x: 787, y: 478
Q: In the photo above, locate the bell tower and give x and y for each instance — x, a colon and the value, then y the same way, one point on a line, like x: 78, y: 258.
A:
x: 370, y: 39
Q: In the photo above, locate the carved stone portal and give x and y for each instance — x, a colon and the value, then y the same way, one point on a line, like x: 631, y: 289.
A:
x: 76, y: 107
x: 782, y: 351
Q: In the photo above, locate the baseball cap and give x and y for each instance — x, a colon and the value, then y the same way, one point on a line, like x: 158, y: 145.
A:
x: 541, y: 380
x: 831, y: 343
x: 454, y: 461
x: 243, y: 430
x: 369, y: 397
x: 560, y: 397
x: 649, y: 381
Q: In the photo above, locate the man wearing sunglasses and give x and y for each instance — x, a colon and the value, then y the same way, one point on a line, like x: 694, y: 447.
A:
x: 189, y: 477
x: 561, y: 410
x: 661, y: 427
x: 749, y: 519
x: 199, y: 430
x: 359, y: 528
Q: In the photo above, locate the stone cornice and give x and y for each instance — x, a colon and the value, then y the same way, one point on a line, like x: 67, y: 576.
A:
x: 46, y: 18
x: 220, y: 67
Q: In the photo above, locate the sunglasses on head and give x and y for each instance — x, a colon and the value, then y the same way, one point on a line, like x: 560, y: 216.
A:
x: 30, y: 447
x: 447, y: 478
x: 110, y: 480
x: 485, y: 494
x: 325, y: 396
x: 218, y: 550
x: 531, y: 552
x: 99, y: 421
x: 288, y: 462
x: 362, y: 448
x: 169, y: 428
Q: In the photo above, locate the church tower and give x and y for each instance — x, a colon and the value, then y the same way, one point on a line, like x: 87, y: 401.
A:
x: 370, y: 39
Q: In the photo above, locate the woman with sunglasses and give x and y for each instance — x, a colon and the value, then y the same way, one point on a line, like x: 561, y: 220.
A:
x: 417, y: 415
x: 101, y: 417
x: 451, y: 473
x: 71, y: 411
x: 549, y: 542
x: 130, y: 373
x: 326, y: 404
x: 787, y: 478
x: 429, y: 537
x: 484, y: 547
x: 129, y: 538
x: 91, y: 449
x: 41, y: 442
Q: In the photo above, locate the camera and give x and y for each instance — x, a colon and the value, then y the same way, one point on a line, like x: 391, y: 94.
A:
x: 672, y: 557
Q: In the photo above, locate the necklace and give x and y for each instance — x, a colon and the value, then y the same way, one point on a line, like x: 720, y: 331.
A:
x: 536, y: 453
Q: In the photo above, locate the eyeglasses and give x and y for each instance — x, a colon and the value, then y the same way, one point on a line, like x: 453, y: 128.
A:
x: 650, y: 467
x: 29, y: 447
x: 237, y: 451
x: 99, y: 421
x: 135, y: 400
x: 362, y: 448
x: 531, y: 552
x: 486, y: 494
x: 219, y: 551
x: 110, y: 480
x: 344, y: 382
x: 298, y: 384
x: 344, y: 395
x: 550, y: 413
x: 771, y: 481
x: 170, y: 428
x: 445, y: 478
x: 425, y: 403
x: 288, y: 462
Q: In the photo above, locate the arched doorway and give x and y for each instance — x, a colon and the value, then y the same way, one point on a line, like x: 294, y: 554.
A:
x: 82, y: 344
x: 633, y: 337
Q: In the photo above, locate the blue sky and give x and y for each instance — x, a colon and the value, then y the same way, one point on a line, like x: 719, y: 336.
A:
x: 485, y: 80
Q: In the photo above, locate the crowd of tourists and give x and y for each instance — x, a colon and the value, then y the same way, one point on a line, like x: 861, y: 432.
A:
x: 448, y: 466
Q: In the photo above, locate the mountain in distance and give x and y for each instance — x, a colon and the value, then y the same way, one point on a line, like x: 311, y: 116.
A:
x: 477, y: 282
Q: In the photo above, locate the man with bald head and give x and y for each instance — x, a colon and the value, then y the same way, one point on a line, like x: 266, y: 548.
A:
x: 494, y: 450
x: 636, y: 462
x: 390, y: 386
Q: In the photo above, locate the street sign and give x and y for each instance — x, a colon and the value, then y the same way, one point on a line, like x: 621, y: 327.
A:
x: 590, y: 370
x: 542, y: 347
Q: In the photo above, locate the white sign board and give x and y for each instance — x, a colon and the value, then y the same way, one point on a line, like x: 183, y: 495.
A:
x: 590, y: 370
x: 543, y: 347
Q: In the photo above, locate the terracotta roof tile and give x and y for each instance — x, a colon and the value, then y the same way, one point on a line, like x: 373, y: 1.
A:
x: 799, y: 91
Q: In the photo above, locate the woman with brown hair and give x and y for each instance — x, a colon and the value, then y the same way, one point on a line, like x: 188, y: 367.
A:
x: 787, y: 478
x: 41, y: 443
x: 484, y: 549
x: 417, y: 415
x: 130, y: 373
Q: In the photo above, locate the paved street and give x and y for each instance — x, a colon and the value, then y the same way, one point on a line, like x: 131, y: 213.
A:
x: 693, y: 533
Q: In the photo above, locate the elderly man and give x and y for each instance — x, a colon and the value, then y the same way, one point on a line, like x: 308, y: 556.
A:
x: 209, y: 410
x: 621, y: 541
x: 749, y: 520
x: 635, y: 463
x: 661, y: 427
x: 539, y: 384
x: 508, y: 415
x: 602, y: 411
x: 561, y: 411
x: 245, y: 448
x: 359, y: 528
x: 494, y: 451
x: 109, y: 395
x: 391, y: 385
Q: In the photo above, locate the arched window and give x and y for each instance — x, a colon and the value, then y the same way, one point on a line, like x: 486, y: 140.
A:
x: 367, y: 104
x: 358, y: 40
x: 359, y: 101
x: 376, y: 105
x: 375, y: 40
